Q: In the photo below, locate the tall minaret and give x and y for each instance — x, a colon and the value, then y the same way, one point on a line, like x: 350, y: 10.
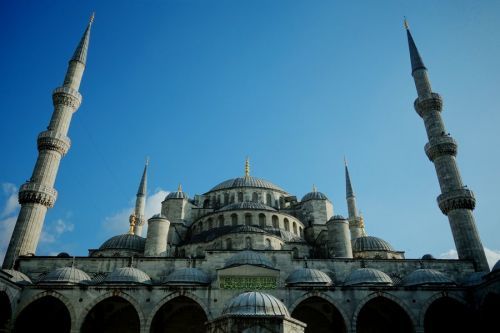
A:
x: 140, y: 202
x: 356, y: 223
x: 455, y: 201
x: 38, y: 194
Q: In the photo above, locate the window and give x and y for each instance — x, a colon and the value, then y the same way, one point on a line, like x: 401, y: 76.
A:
x: 210, y: 223
x: 287, y: 224
x: 221, y: 220
x: 248, y: 243
x: 234, y: 219
x: 231, y: 200
x: 269, y: 200
x: 248, y: 219
x: 268, y: 244
x: 226, y: 198
x: 229, y: 244
x: 240, y: 196
x: 275, y: 221
x: 255, y: 197
x: 294, y: 228
x: 262, y: 220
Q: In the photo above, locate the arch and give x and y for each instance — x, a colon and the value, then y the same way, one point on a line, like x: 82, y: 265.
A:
x: 301, y: 232
x: 172, y: 296
x: 206, y: 203
x: 269, y: 200
x: 446, y: 314
x: 210, y: 223
x: 262, y: 220
x: 220, y: 220
x: 6, y: 313
x: 248, y: 219
x: 226, y: 198
x: 229, y: 244
x: 488, y: 312
x: 320, y: 314
x: 287, y: 224
x: 113, y: 314
x: 240, y: 196
x: 45, y: 314
x: 269, y: 246
x: 275, y: 221
x: 382, y: 313
x: 234, y: 220
x: 231, y: 199
x: 294, y: 226
x: 255, y: 197
x: 181, y: 315
x: 295, y: 253
x: 248, y: 242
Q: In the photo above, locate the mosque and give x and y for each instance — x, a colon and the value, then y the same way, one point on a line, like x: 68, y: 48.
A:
x: 246, y: 256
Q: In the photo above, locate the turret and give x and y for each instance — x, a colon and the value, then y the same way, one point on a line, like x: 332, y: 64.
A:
x: 140, y: 202
x: 156, y: 241
x: 38, y: 194
x: 339, y: 237
x: 356, y: 222
x: 456, y: 200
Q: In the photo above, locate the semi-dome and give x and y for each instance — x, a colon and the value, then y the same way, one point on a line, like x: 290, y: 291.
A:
x: 314, y: 195
x: 247, y: 205
x: 127, y: 275
x: 425, y: 276
x: 177, y: 195
x: 66, y: 275
x: 185, y: 276
x: 255, y: 304
x: 247, y: 181
x: 248, y: 258
x: 17, y: 277
x: 124, y: 242
x: 367, y: 276
x: 308, y: 276
x: 370, y: 243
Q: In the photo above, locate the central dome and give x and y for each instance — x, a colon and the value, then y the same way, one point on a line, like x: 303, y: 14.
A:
x: 255, y: 304
x: 247, y: 181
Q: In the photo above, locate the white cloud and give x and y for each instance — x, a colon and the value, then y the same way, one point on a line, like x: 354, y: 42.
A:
x: 6, y: 228
x: 53, y: 230
x: 118, y: 224
x: 11, y: 204
x: 8, y: 216
x: 491, y: 255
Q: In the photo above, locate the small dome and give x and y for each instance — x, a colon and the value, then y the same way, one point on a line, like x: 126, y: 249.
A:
x: 255, y: 304
x: 308, y: 276
x: 315, y: 195
x: 426, y: 277
x: 473, y: 279
x: 248, y: 258
x: 367, y: 276
x: 125, y: 242
x: 127, y: 275
x: 246, y: 182
x: 496, y: 268
x: 177, y: 195
x: 428, y: 256
x: 69, y: 275
x: 17, y: 277
x: 247, y: 205
x: 63, y: 255
x: 370, y: 243
x: 185, y: 276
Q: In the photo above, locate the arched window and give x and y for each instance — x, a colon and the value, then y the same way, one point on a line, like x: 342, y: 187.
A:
x: 294, y: 225
x: 255, y: 197
x: 226, y: 198
x: 200, y: 253
x: 275, y: 221
x: 282, y: 202
x: 248, y: 219
x: 301, y: 232
x: 248, y: 243
x: 319, y: 315
x: 269, y: 200
x: 6, y: 312
x: 46, y: 314
x: 221, y: 220
x: 287, y: 224
x: 240, y: 196
x: 295, y: 253
x: 383, y: 315
x: 180, y: 314
x: 210, y: 223
x: 262, y: 220
x: 234, y: 219
x: 229, y: 244
x: 268, y: 244
x: 206, y: 203
x: 231, y: 200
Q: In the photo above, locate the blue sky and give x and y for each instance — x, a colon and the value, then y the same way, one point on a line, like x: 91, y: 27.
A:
x: 295, y: 85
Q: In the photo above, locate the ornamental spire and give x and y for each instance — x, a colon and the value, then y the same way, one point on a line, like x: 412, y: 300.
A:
x: 349, y: 192
x: 179, y: 188
x: 415, y: 58
x: 82, y: 48
x: 247, y: 167
x: 144, y: 180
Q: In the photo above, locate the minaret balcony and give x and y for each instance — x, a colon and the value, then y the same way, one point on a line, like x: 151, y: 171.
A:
x: 52, y: 140
x: 66, y: 96
x: 432, y: 103
x: 37, y: 193
x: 440, y: 146
x: 456, y: 199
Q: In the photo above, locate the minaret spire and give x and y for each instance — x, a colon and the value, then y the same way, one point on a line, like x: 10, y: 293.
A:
x: 455, y: 201
x: 38, y: 194
x: 140, y: 203
x: 247, y: 167
x: 356, y: 223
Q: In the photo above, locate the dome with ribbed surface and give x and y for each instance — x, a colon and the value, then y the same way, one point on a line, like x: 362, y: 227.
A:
x: 368, y: 276
x: 66, y: 275
x: 127, y: 275
x: 426, y: 276
x: 248, y: 258
x: 124, y: 242
x: 185, y: 276
x: 246, y: 182
x: 308, y: 276
x: 177, y: 195
x: 255, y: 304
x: 247, y: 205
x: 315, y: 195
x: 370, y: 243
x: 17, y: 277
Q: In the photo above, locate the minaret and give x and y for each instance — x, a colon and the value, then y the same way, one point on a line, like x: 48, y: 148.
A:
x: 456, y: 200
x: 247, y: 167
x: 356, y: 223
x: 140, y: 202
x: 38, y: 193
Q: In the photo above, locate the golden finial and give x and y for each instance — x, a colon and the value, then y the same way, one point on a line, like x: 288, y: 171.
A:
x: 132, y: 219
x: 92, y: 18
x: 405, y: 23
x: 179, y: 188
x: 314, y: 188
x: 247, y: 167
x: 147, y: 160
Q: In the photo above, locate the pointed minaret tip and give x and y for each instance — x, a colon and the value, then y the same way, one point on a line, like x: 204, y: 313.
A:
x: 82, y: 48
x: 405, y: 23
x: 247, y: 167
x: 144, y: 179
x: 179, y: 188
x: 92, y: 17
x: 348, y: 185
x: 415, y: 58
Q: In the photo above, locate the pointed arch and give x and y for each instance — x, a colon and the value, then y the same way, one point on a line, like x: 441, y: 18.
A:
x: 443, y: 312
x: 6, y: 313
